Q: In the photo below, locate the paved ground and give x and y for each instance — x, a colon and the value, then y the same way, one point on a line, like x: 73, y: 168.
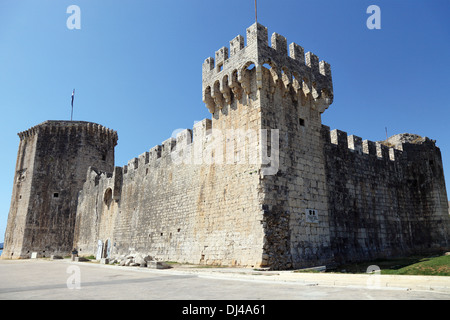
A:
x: 62, y: 279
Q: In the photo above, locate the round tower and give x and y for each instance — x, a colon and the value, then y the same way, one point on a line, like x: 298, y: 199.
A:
x: 51, y: 167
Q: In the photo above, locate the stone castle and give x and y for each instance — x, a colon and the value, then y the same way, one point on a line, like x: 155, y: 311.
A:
x: 262, y: 183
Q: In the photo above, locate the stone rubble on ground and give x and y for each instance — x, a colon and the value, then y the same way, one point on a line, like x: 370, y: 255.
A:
x: 138, y: 260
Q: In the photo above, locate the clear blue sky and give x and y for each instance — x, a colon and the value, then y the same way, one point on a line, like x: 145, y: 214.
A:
x: 136, y: 66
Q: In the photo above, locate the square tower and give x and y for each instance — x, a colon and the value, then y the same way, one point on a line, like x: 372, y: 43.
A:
x: 276, y: 88
x: 51, y: 167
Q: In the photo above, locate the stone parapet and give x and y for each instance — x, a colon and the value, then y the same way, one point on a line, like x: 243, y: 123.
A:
x: 61, y: 126
x: 225, y: 78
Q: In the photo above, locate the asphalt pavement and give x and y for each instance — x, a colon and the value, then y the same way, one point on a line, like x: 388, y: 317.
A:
x: 40, y: 279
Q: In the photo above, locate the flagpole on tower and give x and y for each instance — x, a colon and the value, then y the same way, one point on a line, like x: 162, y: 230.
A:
x: 73, y: 94
x: 256, y: 12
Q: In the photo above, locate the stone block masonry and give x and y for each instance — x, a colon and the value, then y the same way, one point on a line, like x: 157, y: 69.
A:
x: 388, y: 200
x: 51, y: 169
x: 263, y: 183
x: 190, y: 213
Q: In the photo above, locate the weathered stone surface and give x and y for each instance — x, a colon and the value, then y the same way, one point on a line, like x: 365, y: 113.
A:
x: 157, y: 265
x: 397, y: 140
x: 142, y: 259
x: 386, y: 203
x: 51, y: 167
x: 128, y: 262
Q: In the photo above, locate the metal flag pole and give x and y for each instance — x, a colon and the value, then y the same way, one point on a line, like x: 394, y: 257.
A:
x: 73, y: 94
x: 256, y: 12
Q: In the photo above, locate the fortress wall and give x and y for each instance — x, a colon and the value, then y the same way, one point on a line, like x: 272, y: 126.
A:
x: 384, y: 201
x: 368, y: 200
x: 96, y: 220
x: 179, y: 201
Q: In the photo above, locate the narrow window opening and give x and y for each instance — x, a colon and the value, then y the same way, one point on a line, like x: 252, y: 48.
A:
x: 220, y: 67
x: 301, y: 122
x: 108, y: 197
x: 55, y: 195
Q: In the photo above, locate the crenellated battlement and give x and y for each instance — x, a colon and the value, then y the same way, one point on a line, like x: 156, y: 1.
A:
x: 225, y: 76
x: 60, y: 127
x: 171, y: 147
x: 392, y: 149
x: 357, y: 145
